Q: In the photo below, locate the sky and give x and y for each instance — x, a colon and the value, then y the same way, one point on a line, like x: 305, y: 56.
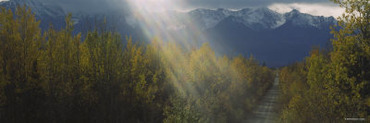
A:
x: 244, y: 3
x: 310, y: 8
x: 314, y: 7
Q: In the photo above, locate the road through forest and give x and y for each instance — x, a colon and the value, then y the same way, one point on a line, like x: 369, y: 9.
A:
x: 265, y: 112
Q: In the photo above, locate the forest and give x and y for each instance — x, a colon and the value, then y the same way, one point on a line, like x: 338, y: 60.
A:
x: 332, y: 84
x: 58, y: 76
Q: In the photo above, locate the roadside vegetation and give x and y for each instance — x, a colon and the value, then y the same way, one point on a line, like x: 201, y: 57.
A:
x: 332, y: 84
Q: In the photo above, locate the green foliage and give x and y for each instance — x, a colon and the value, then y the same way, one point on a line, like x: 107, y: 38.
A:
x: 336, y: 83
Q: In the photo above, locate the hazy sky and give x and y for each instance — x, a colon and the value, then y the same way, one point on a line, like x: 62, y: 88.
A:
x: 246, y: 3
x: 315, y: 7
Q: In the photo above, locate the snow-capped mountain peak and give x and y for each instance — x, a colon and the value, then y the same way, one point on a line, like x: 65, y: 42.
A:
x: 263, y: 17
x: 256, y: 18
x: 301, y: 19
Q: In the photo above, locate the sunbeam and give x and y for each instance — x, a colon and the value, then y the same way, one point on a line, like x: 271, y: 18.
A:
x: 158, y: 23
x: 157, y: 19
x: 194, y: 70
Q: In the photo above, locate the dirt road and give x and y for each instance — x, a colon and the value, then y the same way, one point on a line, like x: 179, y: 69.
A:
x: 264, y: 113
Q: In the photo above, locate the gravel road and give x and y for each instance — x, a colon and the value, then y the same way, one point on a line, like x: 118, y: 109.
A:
x: 264, y: 113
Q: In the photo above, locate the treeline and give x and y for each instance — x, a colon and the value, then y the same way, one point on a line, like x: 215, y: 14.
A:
x: 332, y: 84
x: 55, y: 77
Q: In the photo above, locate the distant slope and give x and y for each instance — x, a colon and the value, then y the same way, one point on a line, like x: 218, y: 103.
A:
x: 277, y: 39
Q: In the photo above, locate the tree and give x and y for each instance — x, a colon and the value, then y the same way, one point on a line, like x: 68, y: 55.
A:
x: 20, y: 40
x: 349, y: 80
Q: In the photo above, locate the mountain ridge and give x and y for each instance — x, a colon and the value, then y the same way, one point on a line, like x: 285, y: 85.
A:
x: 264, y: 16
x: 275, y: 38
x: 278, y: 39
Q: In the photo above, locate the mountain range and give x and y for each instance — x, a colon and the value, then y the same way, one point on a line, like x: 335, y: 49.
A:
x: 275, y: 38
